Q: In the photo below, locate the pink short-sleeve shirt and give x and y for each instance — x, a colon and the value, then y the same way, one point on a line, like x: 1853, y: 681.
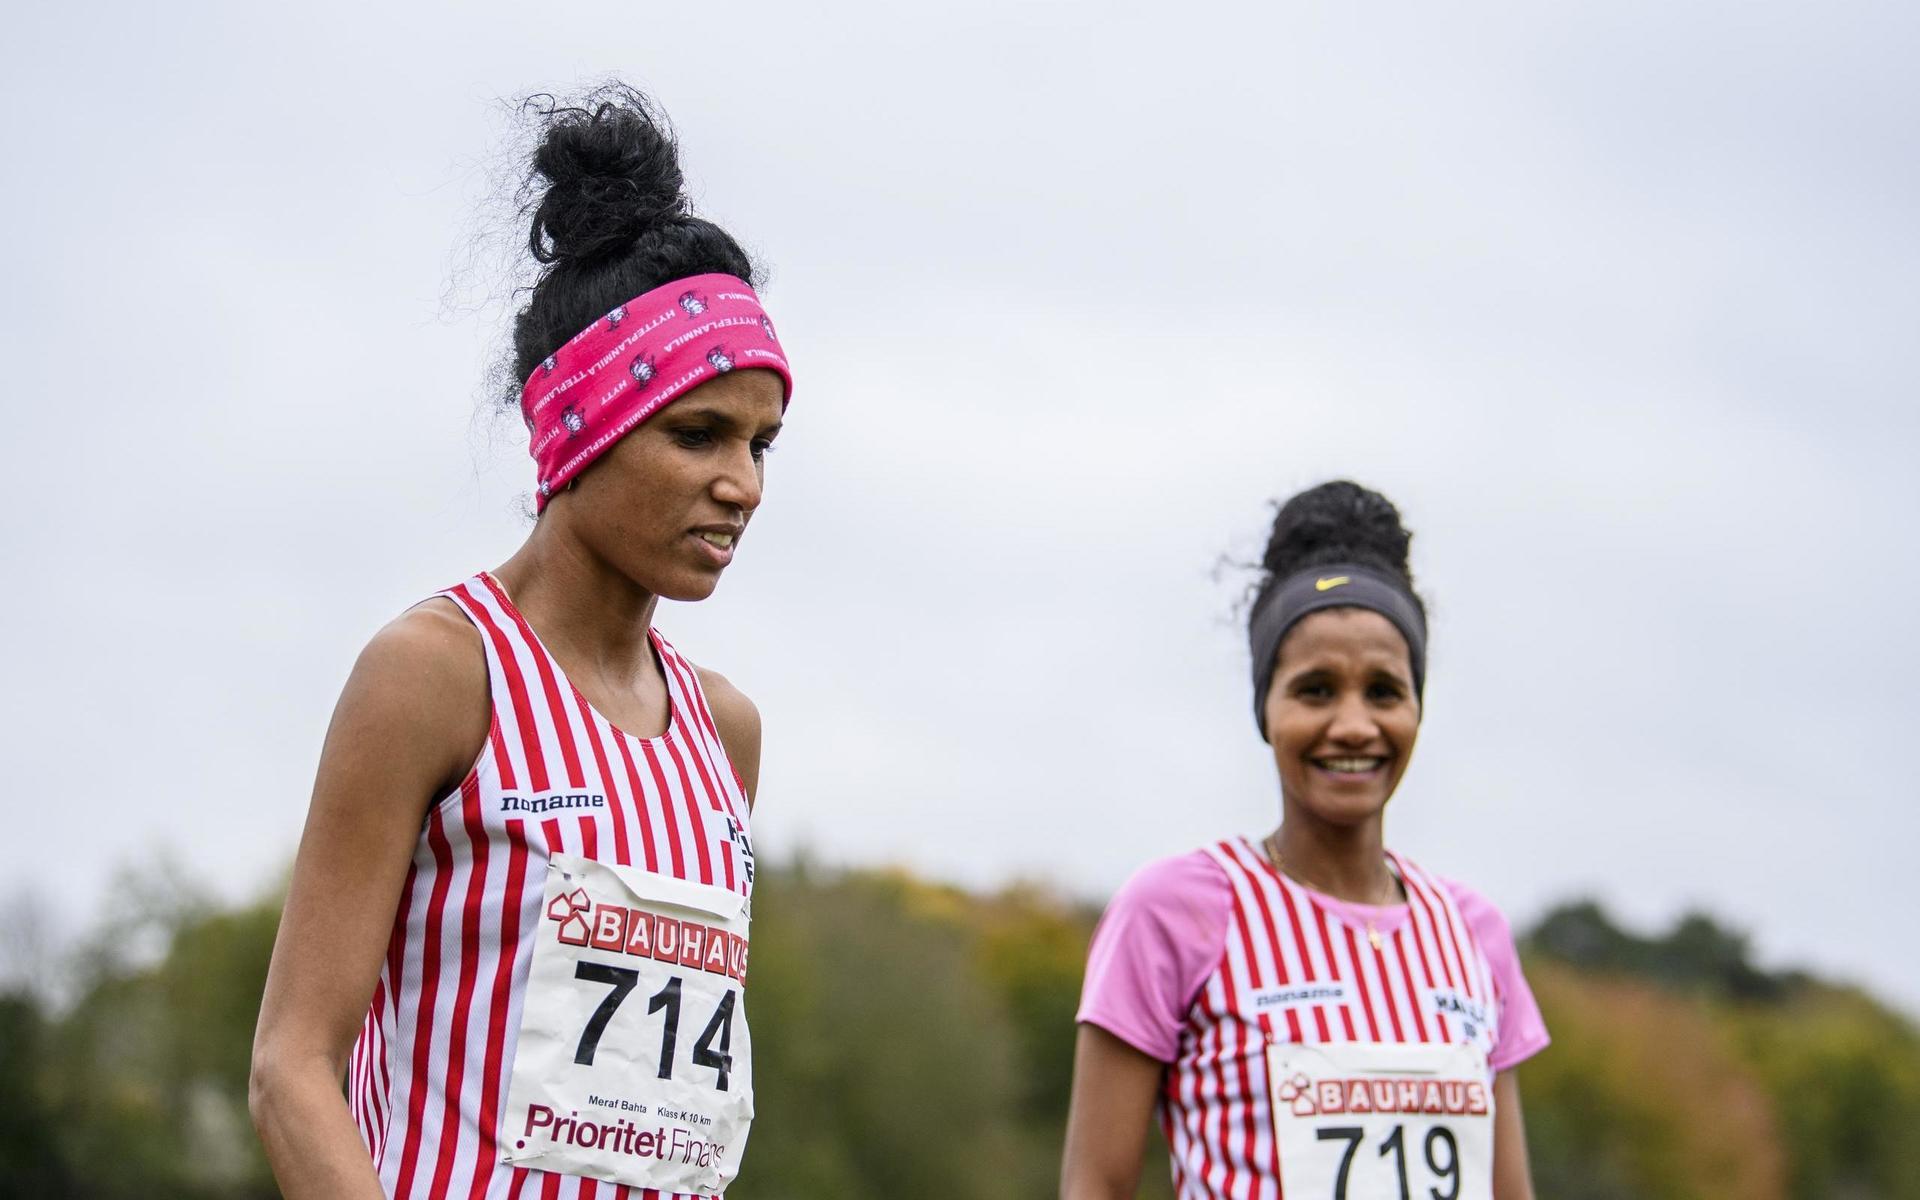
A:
x: 1165, y: 931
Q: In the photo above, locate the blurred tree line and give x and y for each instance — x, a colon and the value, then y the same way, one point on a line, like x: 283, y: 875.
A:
x: 915, y: 1040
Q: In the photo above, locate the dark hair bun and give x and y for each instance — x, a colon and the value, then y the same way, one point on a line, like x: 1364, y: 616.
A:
x: 609, y: 219
x: 1338, y: 522
x: 612, y: 172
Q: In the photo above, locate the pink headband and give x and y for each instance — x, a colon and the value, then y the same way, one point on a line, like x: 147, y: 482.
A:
x: 629, y: 364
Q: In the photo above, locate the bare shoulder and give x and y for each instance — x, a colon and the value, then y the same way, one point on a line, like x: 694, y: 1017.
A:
x: 424, y: 651
x: 739, y: 722
x: 730, y: 705
x: 419, y: 689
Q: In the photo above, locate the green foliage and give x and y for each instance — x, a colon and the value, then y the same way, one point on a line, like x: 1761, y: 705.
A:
x: 883, y: 1065
x: 139, y: 1089
x: 1032, y: 950
x: 1844, y: 1075
x: 30, y: 1163
x: 1837, y: 1074
x: 1639, y: 1099
x: 1697, y: 954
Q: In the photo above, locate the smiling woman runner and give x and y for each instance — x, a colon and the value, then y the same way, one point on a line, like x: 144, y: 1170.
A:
x: 1310, y: 1010
x: 517, y: 923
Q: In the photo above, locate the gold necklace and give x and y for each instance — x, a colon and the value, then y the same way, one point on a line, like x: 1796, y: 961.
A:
x: 1272, y: 848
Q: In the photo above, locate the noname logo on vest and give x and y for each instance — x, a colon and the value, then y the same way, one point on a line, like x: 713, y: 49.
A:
x: 544, y: 802
x: 1285, y: 999
x: 637, y: 933
x: 1385, y: 1094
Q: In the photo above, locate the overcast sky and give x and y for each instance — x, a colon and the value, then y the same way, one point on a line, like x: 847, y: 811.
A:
x: 1615, y: 298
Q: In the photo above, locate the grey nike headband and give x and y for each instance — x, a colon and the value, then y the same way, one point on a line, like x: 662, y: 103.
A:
x: 1335, y: 585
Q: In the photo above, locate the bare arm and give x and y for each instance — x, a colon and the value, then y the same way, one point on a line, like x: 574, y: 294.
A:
x: 1512, y: 1177
x: 739, y: 724
x: 410, y: 722
x: 1114, y: 1086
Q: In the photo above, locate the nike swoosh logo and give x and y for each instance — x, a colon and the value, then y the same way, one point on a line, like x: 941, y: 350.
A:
x: 1327, y: 585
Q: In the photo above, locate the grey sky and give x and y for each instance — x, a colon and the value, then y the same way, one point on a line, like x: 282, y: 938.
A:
x: 1615, y: 299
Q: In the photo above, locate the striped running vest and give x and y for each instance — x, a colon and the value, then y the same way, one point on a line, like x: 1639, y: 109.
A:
x: 1293, y: 971
x: 427, y: 1081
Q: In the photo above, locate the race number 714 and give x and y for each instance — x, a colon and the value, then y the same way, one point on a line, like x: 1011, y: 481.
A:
x: 621, y: 982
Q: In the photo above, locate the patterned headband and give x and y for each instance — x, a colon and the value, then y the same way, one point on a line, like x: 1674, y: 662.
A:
x: 633, y: 362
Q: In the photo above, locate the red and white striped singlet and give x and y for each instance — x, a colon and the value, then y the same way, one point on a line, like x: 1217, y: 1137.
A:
x: 428, y: 1076
x: 1294, y: 971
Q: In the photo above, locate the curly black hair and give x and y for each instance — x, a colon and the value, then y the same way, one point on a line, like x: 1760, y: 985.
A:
x: 1337, y: 522
x: 609, y: 218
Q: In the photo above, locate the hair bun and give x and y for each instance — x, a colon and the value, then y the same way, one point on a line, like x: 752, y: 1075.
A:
x: 612, y: 174
x: 1337, y: 522
x: 609, y: 219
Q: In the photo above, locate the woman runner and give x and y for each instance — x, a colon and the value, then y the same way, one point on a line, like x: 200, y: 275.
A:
x: 1310, y: 1013
x: 517, y: 924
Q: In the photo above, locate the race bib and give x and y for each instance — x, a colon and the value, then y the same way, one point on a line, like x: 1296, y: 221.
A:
x: 633, y: 1065
x: 1359, y: 1121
